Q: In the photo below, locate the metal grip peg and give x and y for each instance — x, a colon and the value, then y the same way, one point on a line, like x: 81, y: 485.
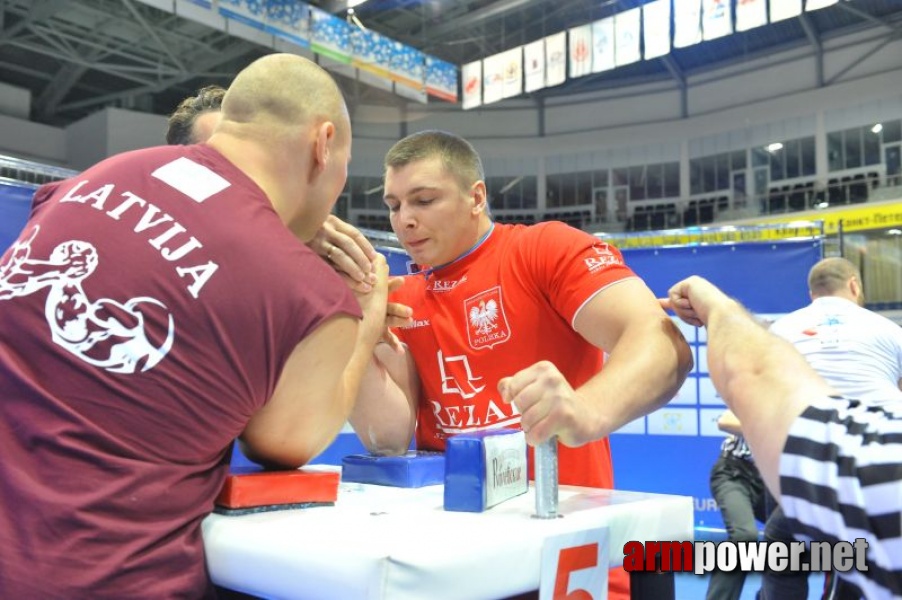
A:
x: 546, y: 479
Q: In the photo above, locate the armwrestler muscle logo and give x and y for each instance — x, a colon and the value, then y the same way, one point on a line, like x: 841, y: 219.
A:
x: 104, y: 333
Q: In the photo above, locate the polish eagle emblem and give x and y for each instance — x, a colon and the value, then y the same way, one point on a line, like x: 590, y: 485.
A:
x: 484, y: 315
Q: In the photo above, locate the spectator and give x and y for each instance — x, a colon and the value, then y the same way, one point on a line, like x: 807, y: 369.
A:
x: 832, y: 463
x: 156, y: 307
x: 510, y: 324
x: 195, y: 118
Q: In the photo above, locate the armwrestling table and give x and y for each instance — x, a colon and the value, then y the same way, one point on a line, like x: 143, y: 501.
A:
x: 390, y: 543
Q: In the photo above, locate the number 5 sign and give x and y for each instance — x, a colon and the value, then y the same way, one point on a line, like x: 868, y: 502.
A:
x: 575, y: 566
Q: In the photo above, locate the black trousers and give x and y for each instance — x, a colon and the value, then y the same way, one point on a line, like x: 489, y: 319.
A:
x: 739, y: 490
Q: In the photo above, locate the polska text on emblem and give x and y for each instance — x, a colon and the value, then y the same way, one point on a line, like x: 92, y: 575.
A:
x: 486, y: 322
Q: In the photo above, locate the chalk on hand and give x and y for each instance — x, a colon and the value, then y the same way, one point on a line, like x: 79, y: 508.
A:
x: 411, y: 470
x: 483, y: 469
x: 260, y: 491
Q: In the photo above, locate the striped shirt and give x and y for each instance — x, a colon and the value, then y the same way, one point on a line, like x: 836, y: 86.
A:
x: 841, y: 479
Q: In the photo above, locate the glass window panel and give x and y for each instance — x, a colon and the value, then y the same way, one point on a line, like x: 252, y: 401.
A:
x: 853, y: 147
x: 655, y: 183
x: 737, y: 160
x: 637, y: 183
x: 709, y: 173
x: 777, y: 164
x: 553, y: 190
x: 871, y: 147
x: 600, y: 178
x: 892, y: 131
x: 836, y: 155
x: 695, y: 176
x: 568, y: 189
x: 672, y: 180
x: 621, y: 176
x: 529, y: 189
x: 760, y: 157
x: 584, y: 187
x: 793, y: 158
x: 723, y: 171
x: 809, y: 166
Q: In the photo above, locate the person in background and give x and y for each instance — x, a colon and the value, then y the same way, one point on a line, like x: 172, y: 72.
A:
x: 832, y: 463
x: 195, y: 118
x: 740, y: 494
x: 343, y: 245
x: 856, y: 351
x: 510, y: 325
x: 154, y: 308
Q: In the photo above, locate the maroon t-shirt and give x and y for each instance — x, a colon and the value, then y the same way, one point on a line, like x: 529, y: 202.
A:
x: 146, y: 312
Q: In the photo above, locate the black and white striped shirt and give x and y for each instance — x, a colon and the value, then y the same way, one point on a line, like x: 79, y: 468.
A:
x: 841, y: 479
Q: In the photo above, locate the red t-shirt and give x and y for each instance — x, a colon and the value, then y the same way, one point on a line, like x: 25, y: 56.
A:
x: 146, y: 312
x: 504, y: 306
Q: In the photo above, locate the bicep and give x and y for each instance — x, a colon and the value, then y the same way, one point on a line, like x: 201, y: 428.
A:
x: 616, y: 309
x: 307, y: 408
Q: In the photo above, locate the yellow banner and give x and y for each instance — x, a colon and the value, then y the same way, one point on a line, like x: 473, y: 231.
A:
x: 860, y: 218
x: 727, y: 234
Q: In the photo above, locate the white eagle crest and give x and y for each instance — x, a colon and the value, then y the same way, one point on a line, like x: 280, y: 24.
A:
x: 483, y: 317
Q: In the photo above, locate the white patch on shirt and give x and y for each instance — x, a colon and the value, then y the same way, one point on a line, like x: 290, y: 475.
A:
x: 194, y: 180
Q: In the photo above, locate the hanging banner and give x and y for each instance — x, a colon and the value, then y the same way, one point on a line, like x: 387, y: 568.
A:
x: 628, y: 29
x: 534, y: 65
x: 556, y: 59
x: 513, y: 72
x: 471, y: 75
x: 750, y: 14
x: 687, y: 23
x: 656, y: 24
x: 441, y: 79
x: 580, y: 50
x: 603, y: 46
x: 785, y: 9
x: 492, y: 78
x: 717, y: 21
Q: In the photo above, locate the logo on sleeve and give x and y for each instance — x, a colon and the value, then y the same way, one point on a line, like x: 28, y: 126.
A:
x: 602, y: 256
x: 486, y: 323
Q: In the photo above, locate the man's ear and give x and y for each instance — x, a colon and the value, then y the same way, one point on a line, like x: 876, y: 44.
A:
x: 478, y: 192
x: 325, y: 136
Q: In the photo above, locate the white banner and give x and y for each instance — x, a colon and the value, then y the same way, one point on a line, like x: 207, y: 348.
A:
x: 603, y: 45
x: 784, y: 9
x: 556, y: 59
x: 580, y: 50
x: 534, y: 65
x: 471, y: 76
x: 628, y: 27
x: 492, y: 78
x: 750, y: 14
x: 716, y: 19
x: 512, y: 61
x: 687, y: 23
x: 816, y: 4
x: 656, y: 21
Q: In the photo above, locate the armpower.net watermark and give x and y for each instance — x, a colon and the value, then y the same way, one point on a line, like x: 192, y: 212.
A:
x: 704, y: 557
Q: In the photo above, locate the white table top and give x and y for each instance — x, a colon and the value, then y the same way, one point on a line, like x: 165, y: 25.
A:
x: 394, y: 543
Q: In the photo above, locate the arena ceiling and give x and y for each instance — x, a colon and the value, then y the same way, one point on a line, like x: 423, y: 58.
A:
x: 78, y: 56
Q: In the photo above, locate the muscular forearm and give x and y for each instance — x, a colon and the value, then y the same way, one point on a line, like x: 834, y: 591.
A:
x: 763, y: 380
x: 384, y: 415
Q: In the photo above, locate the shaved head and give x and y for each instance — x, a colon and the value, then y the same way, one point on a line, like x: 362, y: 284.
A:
x: 279, y: 91
x: 831, y: 275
